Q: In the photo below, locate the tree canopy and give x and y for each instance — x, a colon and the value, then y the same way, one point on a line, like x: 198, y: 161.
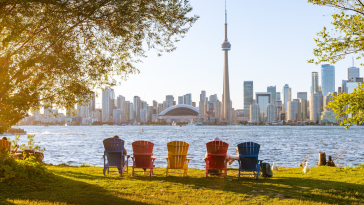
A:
x: 347, y: 37
x: 57, y: 52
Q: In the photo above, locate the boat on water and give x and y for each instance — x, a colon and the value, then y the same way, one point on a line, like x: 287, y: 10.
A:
x: 15, y: 131
x: 191, y: 124
x: 105, y: 125
x: 173, y: 123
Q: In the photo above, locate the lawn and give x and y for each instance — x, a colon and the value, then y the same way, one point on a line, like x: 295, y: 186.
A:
x: 87, y: 185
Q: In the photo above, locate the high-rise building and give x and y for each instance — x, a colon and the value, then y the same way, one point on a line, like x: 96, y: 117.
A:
x: 203, y: 95
x: 226, y: 46
x: 303, y: 104
x: 263, y: 99
x: 302, y: 95
x: 254, y: 113
x: 327, y: 99
x: 107, y: 104
x: 327, y: 79
x: 279, y: 109
x: 293, y: 110
x: 273, y: 91
x: 184, y: 99
x: 120, y: 104
x: 248, y: 97
x: 201, y: 109
x: 160, y: 108
x: 314, y: 82
x: 127, y: 111
x: 353, y: 73
x: 132, y: 113
x: 155, y: 107
x: 149, y: 113
x: 189, y: 99
x: 180, y: 100
x: 278, y: 96
x: 271, y: 113
x: 117, y: 116
x: 137, y: 106
x: 285, y: 96
x: 344, y: 89
x: 194, y: 104
x: 143, y: 115
x: 316, y: 106
x: 217, y: 107
x: 169, y: 101
x: 144, y: 104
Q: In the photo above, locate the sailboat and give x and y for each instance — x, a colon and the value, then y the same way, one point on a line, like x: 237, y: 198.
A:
x: 173, y: 123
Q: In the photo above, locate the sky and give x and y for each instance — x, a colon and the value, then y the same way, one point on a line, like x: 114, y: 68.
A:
x: 271, y: 43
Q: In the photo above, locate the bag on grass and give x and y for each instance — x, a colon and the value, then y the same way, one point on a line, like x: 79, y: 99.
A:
x: 266, y: 170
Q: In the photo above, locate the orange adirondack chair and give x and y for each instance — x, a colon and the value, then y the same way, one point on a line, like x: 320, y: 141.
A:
x: 5, y: 144
x: 177, y: 157
x: 142, y: 156
x: 216, y: 158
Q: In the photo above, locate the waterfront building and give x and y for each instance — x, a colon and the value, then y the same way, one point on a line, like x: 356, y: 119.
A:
x: 327, y: 79
x: 271, y: 113
x: 226, y: 46
x: 339, y: 89
x: 278, y: 96
x: 160, y: 108
x: 180, y: 100
x: 289, y: 94
x: 201, y: 109
x: 279, y: 109
x: 149, y: 113
x: 344, y: 89
x: 107, y: 104
x: 314, y: 82
x: 178, y: 113
x: 302, y: 95
x: 118, y: 117
x: 137, y: 106
x: 184, y: 99
x: 169, y: 101
x: 273, y: 91
x: 155, y: 106
x: 164, y: 105
x: 263, y: 99
x: 293, y: 110
x: 327, y: 99
x: 353, y: 72
x: 316, y: 103
x: 194, y: 104
x: 350, y: 86
x: 254, y: 113
x: 132, y: 113
x: 248, y: 97
x: 303, y: 109
x: 217, y: 106
x: 329, y: 117
x: 143, y: 115
x: 285, y: 96
x: 127, y: 111
x: 203, y: 95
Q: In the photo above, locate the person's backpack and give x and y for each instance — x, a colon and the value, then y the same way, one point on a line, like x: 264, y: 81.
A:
x: 266, y: 170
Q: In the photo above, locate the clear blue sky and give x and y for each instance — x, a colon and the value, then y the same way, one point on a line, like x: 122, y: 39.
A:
x: 271, y: 43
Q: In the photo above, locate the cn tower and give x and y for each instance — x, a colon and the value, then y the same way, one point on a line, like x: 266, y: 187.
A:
x: 226, y: 46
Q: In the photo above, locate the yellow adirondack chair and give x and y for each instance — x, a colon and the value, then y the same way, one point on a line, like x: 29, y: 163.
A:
x: 177, y: 157
x: 4, y: 144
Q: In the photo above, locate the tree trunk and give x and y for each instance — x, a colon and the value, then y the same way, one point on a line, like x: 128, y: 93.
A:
x: 330, y: 162
x: 322, y: 159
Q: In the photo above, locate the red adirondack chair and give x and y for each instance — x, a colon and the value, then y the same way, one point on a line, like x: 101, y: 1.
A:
x: 216, y: 158
x: 142, y: 156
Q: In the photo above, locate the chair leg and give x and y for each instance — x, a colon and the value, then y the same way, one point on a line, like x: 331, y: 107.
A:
x: 167, y: 172
x: 133, y: 172
x: 104, y: 171
x: 239, y: 174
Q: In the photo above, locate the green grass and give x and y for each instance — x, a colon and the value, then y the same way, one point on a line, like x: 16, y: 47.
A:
x: 87, y: 185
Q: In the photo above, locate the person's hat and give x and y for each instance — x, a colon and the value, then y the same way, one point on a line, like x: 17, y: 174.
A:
x: 217, y: 139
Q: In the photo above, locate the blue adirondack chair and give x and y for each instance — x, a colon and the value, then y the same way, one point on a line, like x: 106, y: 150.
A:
x: 114, y: 156
x: 248, y: 158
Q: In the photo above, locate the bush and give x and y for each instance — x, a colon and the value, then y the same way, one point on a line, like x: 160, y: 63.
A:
x: 11, y: 168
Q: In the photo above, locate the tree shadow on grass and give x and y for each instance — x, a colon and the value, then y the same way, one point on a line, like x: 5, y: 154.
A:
x: 60, y: 189
x: 304, y: 189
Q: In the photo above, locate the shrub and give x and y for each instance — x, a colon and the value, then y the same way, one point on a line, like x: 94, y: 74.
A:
x: 11, y: 168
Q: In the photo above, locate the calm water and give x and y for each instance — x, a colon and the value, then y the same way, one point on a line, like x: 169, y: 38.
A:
x: 282, y: 145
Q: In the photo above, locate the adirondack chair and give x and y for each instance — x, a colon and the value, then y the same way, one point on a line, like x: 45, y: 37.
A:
x: 177, y: 157
x: 5, y: 144
x: 248, y: 158
x: 216, y: 158
x: 114, y: 156
x: 142, y: 156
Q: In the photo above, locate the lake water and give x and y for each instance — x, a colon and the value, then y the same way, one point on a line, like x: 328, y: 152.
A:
x: 284, y: 145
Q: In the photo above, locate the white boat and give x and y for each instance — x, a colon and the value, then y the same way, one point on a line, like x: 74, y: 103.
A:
x: 173, y: 123
x: 65, y: 124
x: 191, y: 124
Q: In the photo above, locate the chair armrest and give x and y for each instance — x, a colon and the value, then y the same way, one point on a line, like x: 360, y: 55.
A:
x: 188, y: 160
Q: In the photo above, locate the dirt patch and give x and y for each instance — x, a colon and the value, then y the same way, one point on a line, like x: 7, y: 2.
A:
x: 280, y: 196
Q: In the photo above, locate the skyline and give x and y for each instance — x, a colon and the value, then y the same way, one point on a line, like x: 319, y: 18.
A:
x: 171, y: 78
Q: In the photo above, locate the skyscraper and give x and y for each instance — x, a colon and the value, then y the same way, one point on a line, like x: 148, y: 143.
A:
x: 263, y: 99
x: 107, y: 104
x: 302, y: 95
x: 169, y: 100
x: 226, y: 46
x: 285, y: 96
x: 327, y: 79
x: 254, y: 113
x: 203, y: 95
x: 189, y: 99
x: 271, y: 112
x: 180, y: 100
x: 314, y: 82
x: 137, y: 106
x: 316, y: 106
x: 248, y: 97
x: 278, y: 96
x: 353, y: 73
x: 273, y: 91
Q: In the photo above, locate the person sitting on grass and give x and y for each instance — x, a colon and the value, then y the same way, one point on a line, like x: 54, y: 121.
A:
x: 16, y: 146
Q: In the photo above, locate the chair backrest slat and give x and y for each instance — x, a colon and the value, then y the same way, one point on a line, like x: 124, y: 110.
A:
x: 5, y: 144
